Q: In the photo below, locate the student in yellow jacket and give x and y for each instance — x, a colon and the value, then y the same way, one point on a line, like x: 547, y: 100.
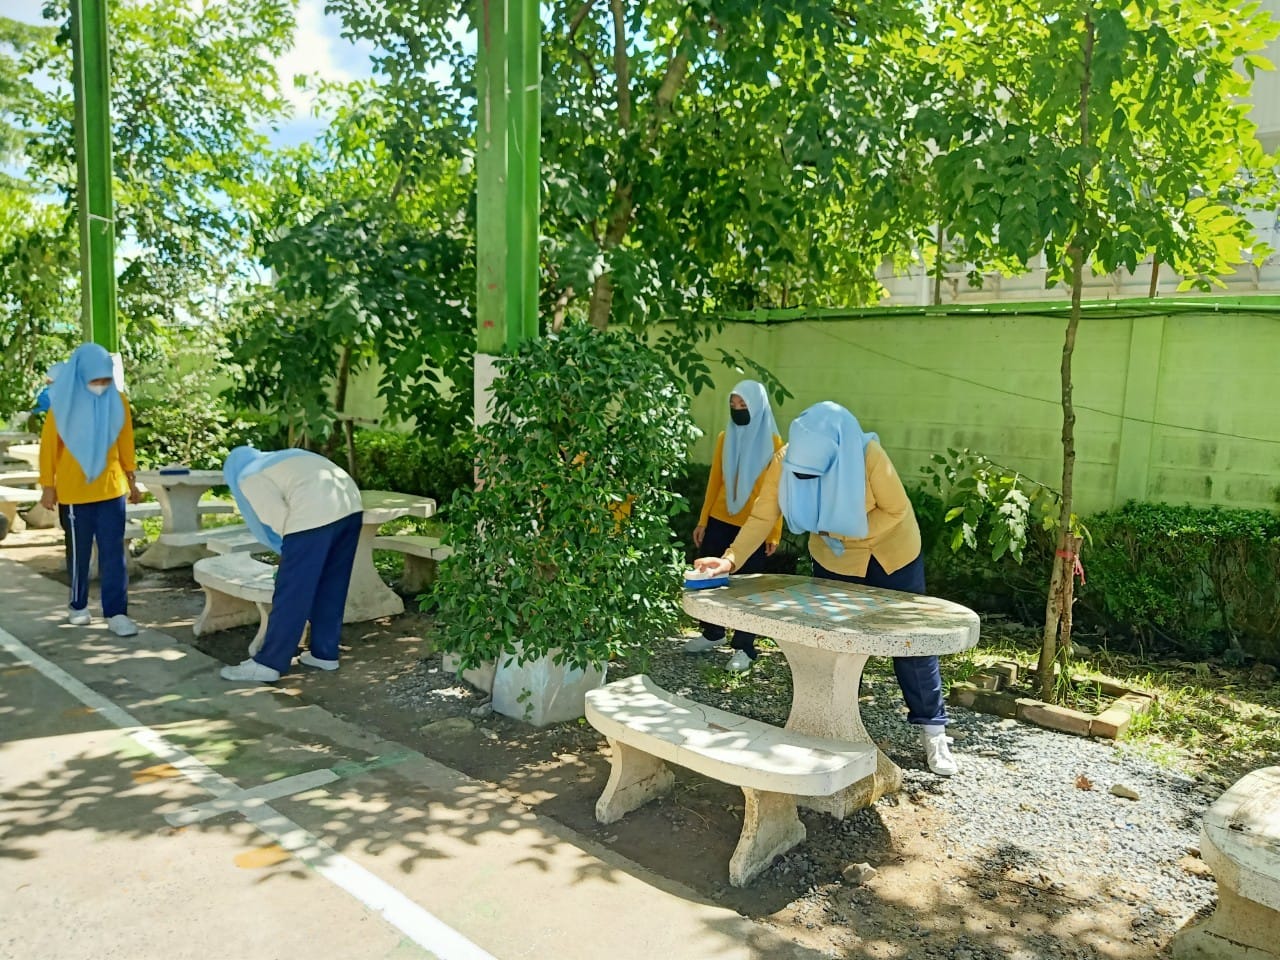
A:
x: 837, y: 484
x: 744, y: 450
x: 87, y: 471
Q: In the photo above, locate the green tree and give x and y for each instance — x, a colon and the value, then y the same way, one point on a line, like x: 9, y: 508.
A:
x: 1094, y: 134
x: 368, y: 242
x: 192, y: 90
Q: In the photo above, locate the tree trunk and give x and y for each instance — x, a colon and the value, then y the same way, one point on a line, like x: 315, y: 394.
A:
x: 1055, y: 646
x: 340, y: 407
x: 1155, y: 277
x: 937, y: 270
x: 601, y: 305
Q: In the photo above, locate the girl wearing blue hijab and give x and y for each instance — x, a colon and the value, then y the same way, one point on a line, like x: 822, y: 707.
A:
x: 744, y: 449
x: 308, y: 510
x: 87, y: 469
x: 834, y: 482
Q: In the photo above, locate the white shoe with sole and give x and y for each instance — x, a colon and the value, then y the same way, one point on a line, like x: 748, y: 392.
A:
x: 700, y: 645
x: 739, y: 662
x: 122, y: 626
x: 937, y: 752
x: 251, y: 670
x: 79, y: 618
x: 316, y: 662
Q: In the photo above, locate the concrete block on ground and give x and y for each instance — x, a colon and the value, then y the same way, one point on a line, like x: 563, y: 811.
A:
x: 542, y: 692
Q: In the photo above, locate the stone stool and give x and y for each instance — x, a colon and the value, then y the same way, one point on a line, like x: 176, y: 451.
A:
x: 1240, y: 842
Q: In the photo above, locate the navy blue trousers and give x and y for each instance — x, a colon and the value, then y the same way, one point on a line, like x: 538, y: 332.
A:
x: 715, y: 541
x: 919, y: 677
x: 311, y: 585
x: 103, y: 522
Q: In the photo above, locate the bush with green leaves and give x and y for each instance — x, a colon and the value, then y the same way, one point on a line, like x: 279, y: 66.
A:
x: 1199, y: 580
x: 412, y: 463
x: 565, y: 546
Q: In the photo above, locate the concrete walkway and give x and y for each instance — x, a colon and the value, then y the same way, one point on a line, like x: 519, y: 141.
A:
x: 149, y: 809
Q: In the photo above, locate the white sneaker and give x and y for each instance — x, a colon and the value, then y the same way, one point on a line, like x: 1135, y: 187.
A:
x: 739, y: 662
x: 79, y: 618
x: 701, y: 645
x: 937, y: 752
x: 316, y: 662
x: 122, y: 626
x: 251, y: 670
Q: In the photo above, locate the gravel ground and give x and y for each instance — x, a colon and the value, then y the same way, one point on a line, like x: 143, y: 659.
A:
x: 1031, y: 807
x: 1029, y: 828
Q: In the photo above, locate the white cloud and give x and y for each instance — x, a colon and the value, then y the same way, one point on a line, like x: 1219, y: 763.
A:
x: 318, y: 49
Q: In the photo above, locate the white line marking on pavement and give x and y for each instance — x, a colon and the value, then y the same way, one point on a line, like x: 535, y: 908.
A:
x: 253, y: 797
x: 416, y: 923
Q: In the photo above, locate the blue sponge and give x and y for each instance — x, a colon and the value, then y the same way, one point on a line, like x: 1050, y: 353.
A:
x: 704, y: 583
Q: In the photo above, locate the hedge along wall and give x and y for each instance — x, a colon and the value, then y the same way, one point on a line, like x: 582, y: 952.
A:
x: 1176, y: 406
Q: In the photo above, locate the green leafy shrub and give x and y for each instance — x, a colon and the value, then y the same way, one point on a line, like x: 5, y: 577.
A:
x: 412, y: 463
x: 1199, y: 580
x: 565, y: 547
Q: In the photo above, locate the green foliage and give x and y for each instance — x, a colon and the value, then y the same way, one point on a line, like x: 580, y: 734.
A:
x: 178, y: 415
x: 413, y: 463
x: 1201, y: 580
x: 566, y: 545
x: 987, y: 506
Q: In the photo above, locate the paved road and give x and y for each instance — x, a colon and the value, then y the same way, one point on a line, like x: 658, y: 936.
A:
x: 148, y: 809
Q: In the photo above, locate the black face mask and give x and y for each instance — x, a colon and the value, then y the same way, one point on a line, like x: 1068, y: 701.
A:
x: 740, y: 417
x: 805, y: 476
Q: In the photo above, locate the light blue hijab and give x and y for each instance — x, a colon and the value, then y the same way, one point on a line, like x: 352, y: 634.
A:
x: 87, y: 424
x: 826, y: 440
x: 245, y: 462
x: 747, y: 450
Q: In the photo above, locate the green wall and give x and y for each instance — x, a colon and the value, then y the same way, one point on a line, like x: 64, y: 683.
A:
x: 1178, y: 408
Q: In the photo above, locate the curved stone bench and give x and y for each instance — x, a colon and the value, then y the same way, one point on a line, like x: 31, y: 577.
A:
x: 1240, y: 842
x: 237, y: 591
x: 421, y: 554
x: 647, y: 727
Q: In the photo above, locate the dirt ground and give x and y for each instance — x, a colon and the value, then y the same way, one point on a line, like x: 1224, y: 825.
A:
x: 921, y: 903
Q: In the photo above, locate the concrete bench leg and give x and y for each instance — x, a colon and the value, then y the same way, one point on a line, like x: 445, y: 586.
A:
x: 770, y: 827
x: 419, y: 573
x: 636, y: 778
x: 264, y: 614
x: 1239, y: 929
x: 222, y: 611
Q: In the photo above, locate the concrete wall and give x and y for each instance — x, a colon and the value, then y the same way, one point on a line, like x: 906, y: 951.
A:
x: 1176, y: 408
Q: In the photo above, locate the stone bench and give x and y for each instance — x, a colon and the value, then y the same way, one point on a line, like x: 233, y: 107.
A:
x: 10, y: 499
x: 20, y: 478
x: 421, y: 554
x: 647, y: 727
x: 1240, y: 843
x: 237, y: 592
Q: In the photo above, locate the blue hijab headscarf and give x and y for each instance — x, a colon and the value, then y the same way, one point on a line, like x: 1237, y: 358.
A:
x: 87, y: 423
x: 747, y: 449
x: 245, y: 462
x: 827, y: 441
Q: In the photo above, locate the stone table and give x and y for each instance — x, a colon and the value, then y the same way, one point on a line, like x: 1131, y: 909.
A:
x: 179, y: 496
x: 827, y: 629
x: 368, y: 597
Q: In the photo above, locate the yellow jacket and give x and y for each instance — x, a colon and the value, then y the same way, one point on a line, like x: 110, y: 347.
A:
x: 60, y: 470
x: 893, y: 536
x: 716, y: 504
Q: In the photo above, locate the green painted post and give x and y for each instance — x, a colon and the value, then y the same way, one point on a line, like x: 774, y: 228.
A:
x: 491, y: 176
x: 524, y: 75
x: 91, y: 74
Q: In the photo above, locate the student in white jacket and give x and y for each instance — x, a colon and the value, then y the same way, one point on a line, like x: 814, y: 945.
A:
x: 308, y: 510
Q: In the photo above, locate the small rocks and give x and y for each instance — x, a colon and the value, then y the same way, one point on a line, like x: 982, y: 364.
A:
x: 1195, y: 867
x: 483, y: 710
x: 1120, y: 790
x: 856, y: 874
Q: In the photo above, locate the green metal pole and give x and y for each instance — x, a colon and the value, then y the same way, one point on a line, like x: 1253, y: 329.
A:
x: 524, y: 128
x: 491, y: 176
x: 91, y: 70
